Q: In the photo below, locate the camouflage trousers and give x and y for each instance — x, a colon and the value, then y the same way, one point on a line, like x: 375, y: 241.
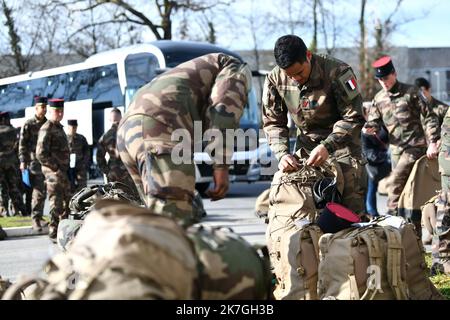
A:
x: 355, y: 178
x: 440, y: 246
x: 402, y: 165
x: 58, y: 191
x: 37, y: 181
x: 9, y: 179
x: 78, y: 179
x: 145, y: 147
x: 444, y: 163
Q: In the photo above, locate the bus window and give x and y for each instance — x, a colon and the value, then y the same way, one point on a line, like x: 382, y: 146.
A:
x: 140, y: 69
x: 15, y: 97
x: 38, y: 86
x: 104, y: 85
x: 76, y: 88
x: 55, y: 86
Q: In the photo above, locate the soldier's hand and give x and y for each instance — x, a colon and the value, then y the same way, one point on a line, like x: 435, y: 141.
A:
x: 288, y: 163
x: 432, y: 151
x: 318, y: 156
x: 221, y: 184
x: 23, y: 166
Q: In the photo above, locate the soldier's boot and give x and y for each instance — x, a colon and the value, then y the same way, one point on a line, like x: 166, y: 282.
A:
x: 37, y: 225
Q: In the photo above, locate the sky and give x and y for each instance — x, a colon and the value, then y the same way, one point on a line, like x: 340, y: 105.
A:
x: 430, y: 25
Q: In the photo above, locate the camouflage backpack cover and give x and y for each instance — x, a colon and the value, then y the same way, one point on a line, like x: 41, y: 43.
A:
x: 230, y: 268
x: 436, y: 219
x: 122, y: 252
x: 127, y: 252
x: 382, y: 260
x: 291, y: 235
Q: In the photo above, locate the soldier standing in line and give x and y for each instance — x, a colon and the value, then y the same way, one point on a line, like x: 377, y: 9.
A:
x: 322, y: 96
x: 210, y: 90
x: 114, y: 169
x: 28, y: 161
x: 9, y: 176
x: 79, y: 157
x: 52, y: 151
x: 399, y: 107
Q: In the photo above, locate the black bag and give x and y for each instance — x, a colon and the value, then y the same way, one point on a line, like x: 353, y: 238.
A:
x: 325, y: 191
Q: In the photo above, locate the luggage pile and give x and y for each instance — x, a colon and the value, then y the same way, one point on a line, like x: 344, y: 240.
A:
x: 319, y: 249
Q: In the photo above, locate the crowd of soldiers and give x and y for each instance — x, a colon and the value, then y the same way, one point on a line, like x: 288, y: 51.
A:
x: 44, y: 162
x: 318, y: 92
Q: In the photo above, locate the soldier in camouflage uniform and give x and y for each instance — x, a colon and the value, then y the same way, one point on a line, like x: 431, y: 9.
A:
x: 114, y: 169
x: 8, y: 164
x: 404, y: 114
x: 79, y: 149
x: 441, y: 238
x: 28, y: 160
x: 321, y: 95
x: 52, y: 151
x: 208, y: 92
x: 438, y: 107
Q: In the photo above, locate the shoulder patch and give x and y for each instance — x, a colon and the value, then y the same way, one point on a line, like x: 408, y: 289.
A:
x: 349, y: 85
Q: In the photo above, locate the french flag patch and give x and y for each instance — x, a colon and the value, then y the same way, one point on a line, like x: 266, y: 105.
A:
x: 351, y: 84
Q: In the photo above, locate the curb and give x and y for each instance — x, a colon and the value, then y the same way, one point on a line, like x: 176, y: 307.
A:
x: 24, y: 231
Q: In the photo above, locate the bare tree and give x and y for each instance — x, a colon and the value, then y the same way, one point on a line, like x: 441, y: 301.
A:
x: 132, y: 12
x: 21, y: 61
x: 315, y: 5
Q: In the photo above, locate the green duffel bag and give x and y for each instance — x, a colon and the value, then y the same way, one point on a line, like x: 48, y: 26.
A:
x: 229, y: 267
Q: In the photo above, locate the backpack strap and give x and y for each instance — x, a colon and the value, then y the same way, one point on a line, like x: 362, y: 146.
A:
x: 393, y: 263
x: 375, y: 258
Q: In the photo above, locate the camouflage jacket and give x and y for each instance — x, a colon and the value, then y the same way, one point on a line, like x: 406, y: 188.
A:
x: 107, y: 144
x: 440, y: 109
x: 52, y: 148
x: 28, y: 139
x: 79, y: 146
x: 211, y: 89
x: 327, y: 109
x: 403, y: 113
x: 445, y: 135
x: 8, y: 139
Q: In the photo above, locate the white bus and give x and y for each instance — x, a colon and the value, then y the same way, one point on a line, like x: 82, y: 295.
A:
x: 110, y: 79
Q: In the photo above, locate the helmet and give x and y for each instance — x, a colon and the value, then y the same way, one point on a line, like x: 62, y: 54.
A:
x: 325, y: 190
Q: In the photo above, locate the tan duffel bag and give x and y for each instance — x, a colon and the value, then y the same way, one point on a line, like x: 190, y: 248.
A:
x: 296, y: 256
x: 291, y: 237
x: 383, y: 260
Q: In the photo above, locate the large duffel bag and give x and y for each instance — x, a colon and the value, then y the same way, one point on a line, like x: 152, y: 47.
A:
x: 291, y: 235
x: 295, y: 258
x: 127, y: 252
